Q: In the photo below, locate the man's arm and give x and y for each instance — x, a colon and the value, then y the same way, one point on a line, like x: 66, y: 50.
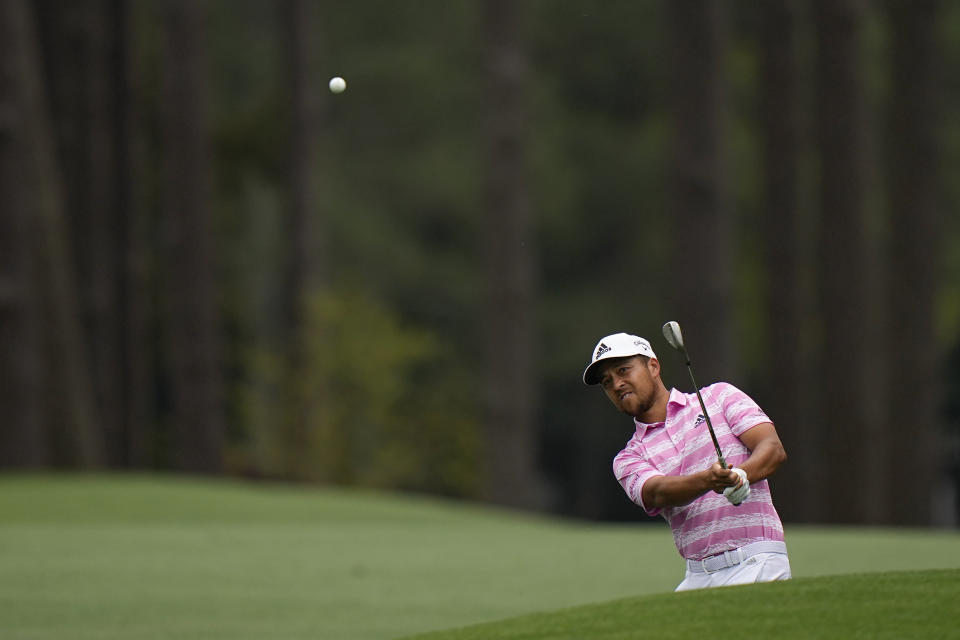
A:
x: 766, y: 451
x: 766, y: 455
x: 675, y: 491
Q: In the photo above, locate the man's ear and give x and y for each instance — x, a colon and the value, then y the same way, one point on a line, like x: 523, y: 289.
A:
x: 654, y: 366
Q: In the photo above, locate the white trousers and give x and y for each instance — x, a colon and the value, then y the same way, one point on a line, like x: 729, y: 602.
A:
x: 762, y: 567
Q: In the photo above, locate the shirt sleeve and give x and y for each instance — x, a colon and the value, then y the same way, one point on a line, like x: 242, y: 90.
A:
x: 740, y: 410
x: 632, y: 471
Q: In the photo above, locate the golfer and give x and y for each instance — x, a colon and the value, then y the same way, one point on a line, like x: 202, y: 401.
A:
x: 723, y: 520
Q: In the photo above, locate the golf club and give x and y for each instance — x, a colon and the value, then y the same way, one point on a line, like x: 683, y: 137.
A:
x: 671, y: 331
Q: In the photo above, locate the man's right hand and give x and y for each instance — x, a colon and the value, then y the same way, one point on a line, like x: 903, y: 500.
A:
x: 720, y: 479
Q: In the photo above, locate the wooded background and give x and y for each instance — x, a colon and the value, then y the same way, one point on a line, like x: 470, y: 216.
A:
x: 211, y: 264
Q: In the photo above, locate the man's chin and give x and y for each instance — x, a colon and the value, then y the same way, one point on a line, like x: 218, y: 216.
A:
x: 631, y: 405
x: 632, y: 409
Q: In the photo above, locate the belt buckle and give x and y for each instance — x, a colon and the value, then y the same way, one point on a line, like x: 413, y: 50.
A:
x: 703, y: 565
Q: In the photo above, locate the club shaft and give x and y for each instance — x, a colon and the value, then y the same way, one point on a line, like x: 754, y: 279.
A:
x: 703, y: 407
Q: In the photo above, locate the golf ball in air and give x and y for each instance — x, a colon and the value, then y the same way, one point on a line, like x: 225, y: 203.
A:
x: 338, y: 84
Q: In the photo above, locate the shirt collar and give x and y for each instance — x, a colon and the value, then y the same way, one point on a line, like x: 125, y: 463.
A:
x: 677, y: 399
x: 641, y: 427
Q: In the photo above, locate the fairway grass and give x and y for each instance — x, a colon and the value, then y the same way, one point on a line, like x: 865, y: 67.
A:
x: 920, y: 604
x: 169, y: 557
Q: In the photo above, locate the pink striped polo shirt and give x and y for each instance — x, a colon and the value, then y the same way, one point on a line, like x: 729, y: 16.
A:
x: 681, y: 446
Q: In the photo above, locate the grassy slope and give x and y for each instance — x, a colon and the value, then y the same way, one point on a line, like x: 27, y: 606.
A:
x: 886, y: 605
x: 145, y: 557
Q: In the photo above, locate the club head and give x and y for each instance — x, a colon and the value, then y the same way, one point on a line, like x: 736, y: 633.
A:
x: 671, y: 331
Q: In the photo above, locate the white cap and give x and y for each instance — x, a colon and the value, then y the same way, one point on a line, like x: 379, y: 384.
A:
x: 618, y: 345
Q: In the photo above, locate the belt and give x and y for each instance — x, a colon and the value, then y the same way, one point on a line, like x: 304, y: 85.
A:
x: 735, y: 556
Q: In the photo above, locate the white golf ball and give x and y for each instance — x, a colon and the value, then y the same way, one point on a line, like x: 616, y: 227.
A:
x: 338, y: 84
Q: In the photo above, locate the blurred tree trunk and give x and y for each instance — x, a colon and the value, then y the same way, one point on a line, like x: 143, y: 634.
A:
x: 23, y: 437
x: 303, y: 234
x: 100, y: 215
x: 190, y: 289
x: 700, y: 287
x: 780, y: 391
x: 81, y: 53
x: 68, y: 398
x: 138, y: 418
x: 841, y: 482
x: 302, y: 237
x: 511, y: 390
x: 913, y: 258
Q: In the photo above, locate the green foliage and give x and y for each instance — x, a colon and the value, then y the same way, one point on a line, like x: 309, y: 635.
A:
x: 364, y: 400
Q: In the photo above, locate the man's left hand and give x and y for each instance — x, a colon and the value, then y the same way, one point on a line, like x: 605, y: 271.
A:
x: 740, y: 492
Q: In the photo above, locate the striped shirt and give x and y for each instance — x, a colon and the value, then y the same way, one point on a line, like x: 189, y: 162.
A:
x: 681, y: 446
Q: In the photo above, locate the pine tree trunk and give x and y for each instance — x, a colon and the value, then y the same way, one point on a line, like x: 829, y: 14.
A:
x: 190, y: 289
x: 69, y: 404
x: 135, y: 366
x: 304, y: 238
x: 511, y: 393
x: 92, y: 204
x: 699, y: 292
x: 782, y: 385
x: 914, y: 393
x: 23, y: 437
x: 841, y: 472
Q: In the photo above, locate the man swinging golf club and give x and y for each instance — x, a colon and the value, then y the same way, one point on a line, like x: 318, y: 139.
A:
x: 698, y: 459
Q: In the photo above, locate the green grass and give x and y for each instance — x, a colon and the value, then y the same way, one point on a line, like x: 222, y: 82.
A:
x: 920, y: 604
x: 166, y: 557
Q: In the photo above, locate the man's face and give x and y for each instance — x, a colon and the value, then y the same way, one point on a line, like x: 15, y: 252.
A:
x: 630, y: 383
